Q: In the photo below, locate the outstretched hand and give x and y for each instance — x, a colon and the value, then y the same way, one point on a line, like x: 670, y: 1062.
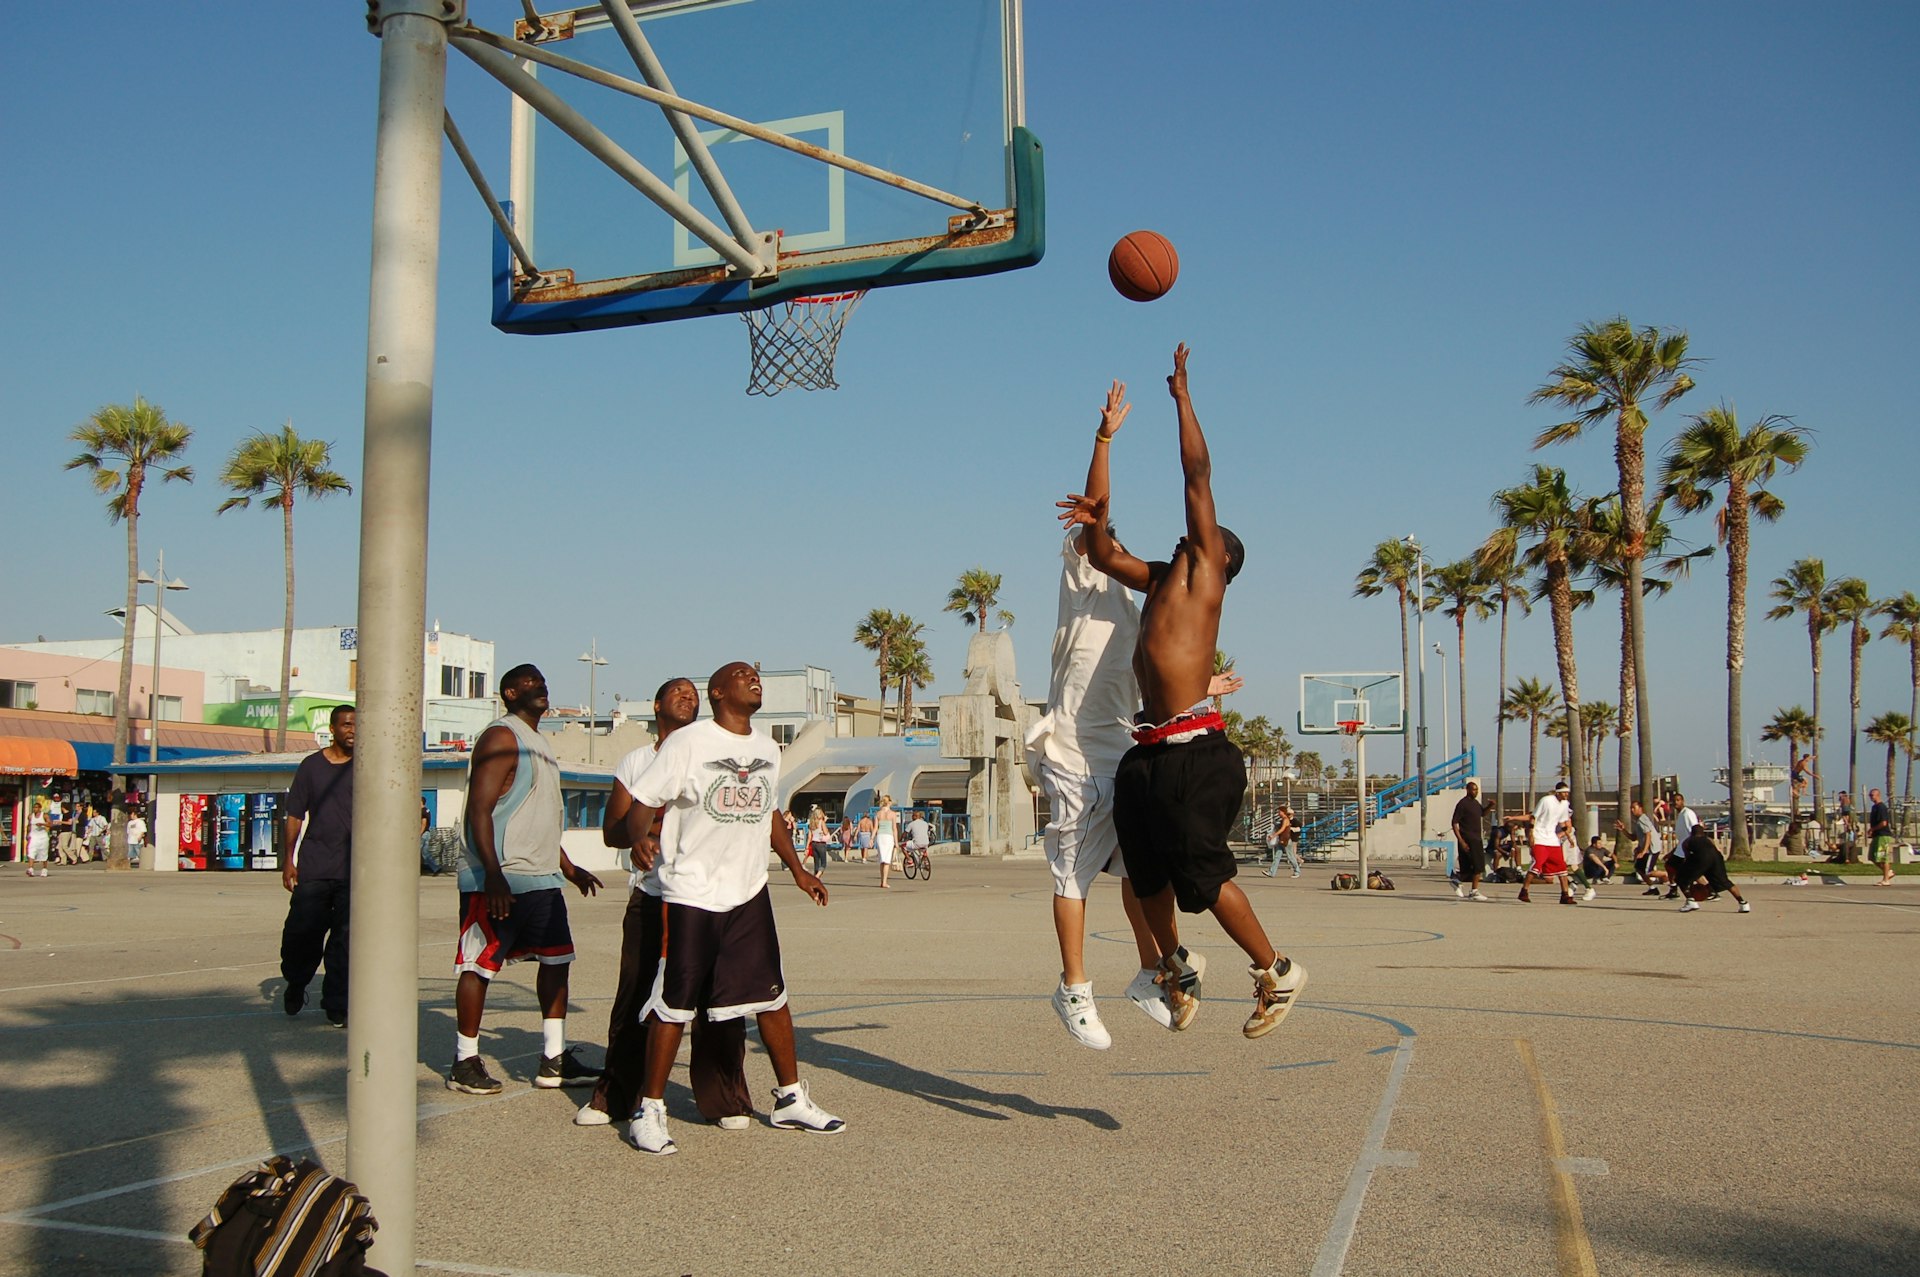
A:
x: 1177, y: 383
x: 1083, y: 511
x: 1225, y: 683
x: 1114, y: 414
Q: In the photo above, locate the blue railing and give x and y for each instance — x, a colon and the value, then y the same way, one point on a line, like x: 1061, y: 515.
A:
x: 1344, y: 822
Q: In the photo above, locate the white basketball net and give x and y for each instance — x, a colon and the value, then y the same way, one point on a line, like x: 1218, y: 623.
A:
x: 794, y: 342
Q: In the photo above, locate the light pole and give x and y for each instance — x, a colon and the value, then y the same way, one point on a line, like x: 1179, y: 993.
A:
x: 594, y: 661
x: 1445, y: 735
x: 1420, y: 737
x: 160, y: 585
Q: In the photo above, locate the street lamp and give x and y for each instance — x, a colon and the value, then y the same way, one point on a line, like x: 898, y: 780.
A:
x: 1445, y: 735
x: 1420, y: 737
x: 161, y: 585
x: 594, y: 661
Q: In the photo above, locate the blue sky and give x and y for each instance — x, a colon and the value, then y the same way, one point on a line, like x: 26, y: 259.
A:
x: 1390, y: 218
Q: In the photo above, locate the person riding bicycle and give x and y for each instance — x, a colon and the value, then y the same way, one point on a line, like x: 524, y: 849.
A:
x: 919, y: 833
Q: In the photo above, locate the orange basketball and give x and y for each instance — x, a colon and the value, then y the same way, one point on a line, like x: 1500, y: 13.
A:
x: 1143, y: 266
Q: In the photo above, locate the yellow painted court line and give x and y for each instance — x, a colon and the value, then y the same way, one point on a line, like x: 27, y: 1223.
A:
x: 1574, y: 1251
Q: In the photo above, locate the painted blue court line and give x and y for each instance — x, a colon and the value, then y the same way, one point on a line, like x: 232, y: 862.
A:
x: 1307, y: 1064
x: 1382, y: 1050
x: 1169, y: 1073
x: 992, y: 1073
x: 1633, y: 1019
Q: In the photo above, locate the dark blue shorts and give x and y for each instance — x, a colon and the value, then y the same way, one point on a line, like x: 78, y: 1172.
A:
x: 536, y: 927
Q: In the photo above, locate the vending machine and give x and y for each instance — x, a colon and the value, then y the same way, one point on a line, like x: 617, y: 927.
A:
x: 193, y: 831
x: 263, y: 831
x: 229, y: 832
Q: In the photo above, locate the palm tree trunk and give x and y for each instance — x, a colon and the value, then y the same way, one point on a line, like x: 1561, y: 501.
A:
x: 1533, y: 757
x: 1891, y: 745
x: 1913, y: 715
x: 1460, y: 648
x: 1629, y: 687
x: 1736, y: 665
x: 1560, y: 596
x: 1500, y: 723
x: 1406, y: 737
x: 117, y: 855
x: 880, y: 728
x: 1817, y: 746
x: 1630, y: 458
x: 286, y: 631
x: 1854, y: 644
x: 1793, y: 770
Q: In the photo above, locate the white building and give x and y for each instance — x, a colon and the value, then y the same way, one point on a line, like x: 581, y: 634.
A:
x: 240, y: 665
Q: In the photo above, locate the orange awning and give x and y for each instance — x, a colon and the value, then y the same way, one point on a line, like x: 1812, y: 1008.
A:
x: 30, y: 756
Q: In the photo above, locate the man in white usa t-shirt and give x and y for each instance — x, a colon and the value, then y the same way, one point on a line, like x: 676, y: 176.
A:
x: 715, y: 783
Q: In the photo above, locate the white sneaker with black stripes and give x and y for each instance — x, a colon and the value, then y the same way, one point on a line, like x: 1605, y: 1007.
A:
x: 794, y: 1110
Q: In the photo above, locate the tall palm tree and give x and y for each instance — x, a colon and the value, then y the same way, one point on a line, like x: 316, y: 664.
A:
x: 1803, y: 590
x: 277, y: 468
x: 1556, y: 729
x: 1613, y: 369
x: 1597, y: 719
x: 1796, y: 727
x: 1850, y: 603
x: 876, y: 632
x: 1506, y: 580
x: 1393, y: 566
x: 1221, y: 664
x: 1556, y: 524
x: 122, y: 448
x: 976, y: 591
x: 1459, y: 591
x: 1715, y: 452
x: 1533, y: 700
x: 909, y: 666
x: 1894, y: 730
x: 1903, y: 625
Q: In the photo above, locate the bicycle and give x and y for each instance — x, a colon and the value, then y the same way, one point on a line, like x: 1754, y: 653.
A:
x: 915, y: 863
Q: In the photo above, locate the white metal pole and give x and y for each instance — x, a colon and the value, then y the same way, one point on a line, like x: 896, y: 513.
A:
x: 1360, y: 808
x: 383, y: 1047
x: 153, y: 692
x: 1446, y: 733
x: 1420, y: 741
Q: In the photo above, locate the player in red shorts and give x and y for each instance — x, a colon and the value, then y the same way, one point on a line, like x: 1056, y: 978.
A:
x: 1552, y: 829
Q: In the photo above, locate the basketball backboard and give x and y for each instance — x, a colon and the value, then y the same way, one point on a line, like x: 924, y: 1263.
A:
x: 1375, y: 701
x: 930, y: 93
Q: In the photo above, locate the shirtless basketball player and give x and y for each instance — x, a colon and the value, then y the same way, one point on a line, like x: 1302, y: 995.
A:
x: 1179, y: 788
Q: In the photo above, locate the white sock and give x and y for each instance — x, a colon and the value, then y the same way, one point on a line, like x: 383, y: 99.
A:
x: 553, y: 1037
x: 781, y: 1092
x: 465, y: 1047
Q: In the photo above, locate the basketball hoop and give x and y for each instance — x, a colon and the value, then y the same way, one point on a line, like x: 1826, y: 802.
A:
x: 1350, y: 726
x: 794, y: 342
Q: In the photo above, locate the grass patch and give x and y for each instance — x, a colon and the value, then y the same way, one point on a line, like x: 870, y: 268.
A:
x: 1785, y: 868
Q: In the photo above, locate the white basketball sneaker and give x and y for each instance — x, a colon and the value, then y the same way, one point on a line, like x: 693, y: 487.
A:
x: 1073, y: 1003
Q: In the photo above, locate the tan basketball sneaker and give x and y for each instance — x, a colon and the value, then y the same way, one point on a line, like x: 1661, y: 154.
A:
x: 1179, y: 983
x: 1275, y: 990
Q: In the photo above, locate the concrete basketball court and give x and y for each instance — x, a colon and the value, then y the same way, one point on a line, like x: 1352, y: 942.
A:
x: 1467, y: 1088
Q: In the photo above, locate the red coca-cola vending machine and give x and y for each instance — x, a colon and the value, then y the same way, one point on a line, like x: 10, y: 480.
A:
x: 193, y: 824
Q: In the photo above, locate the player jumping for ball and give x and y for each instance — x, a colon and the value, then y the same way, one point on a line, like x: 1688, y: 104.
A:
x: 1179, y: 788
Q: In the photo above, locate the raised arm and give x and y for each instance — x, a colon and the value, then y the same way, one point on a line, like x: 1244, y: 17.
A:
x: 1089, y: 509
x: 1196, y: 466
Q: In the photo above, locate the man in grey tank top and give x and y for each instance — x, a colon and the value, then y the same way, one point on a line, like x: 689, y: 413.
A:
x: 513, y: 903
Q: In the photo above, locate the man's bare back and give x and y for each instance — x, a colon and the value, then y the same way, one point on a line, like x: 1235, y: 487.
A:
x: 1180, y: 621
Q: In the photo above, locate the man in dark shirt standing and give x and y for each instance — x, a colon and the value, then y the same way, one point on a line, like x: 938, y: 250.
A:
x: 1880, y: 836
x: 1470, y: 859
x: 319, y: 860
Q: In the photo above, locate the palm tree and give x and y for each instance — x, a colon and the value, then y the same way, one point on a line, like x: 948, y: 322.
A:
x: 1715, y: 452
x: 1532, y: 700
x: 1558, y: 524
x: 876, y: 633
x: 1459, y: 591
x: 276, y: 467
x: 1506, y: 580
x: 1894, y: 730
x: 909, y: 667
x: 1309, y: 764
x: 1556, y: 729
x: 1393, y: 567
x: 1611, y: 370
x: 977, y: 590
x: 1804, y: 590
x: 1903, y: 625
x: 1849, y: 603
x: 120, y: 445
x: 1597, y: 719
x: 1796, y: 727
x: 1221, y: 664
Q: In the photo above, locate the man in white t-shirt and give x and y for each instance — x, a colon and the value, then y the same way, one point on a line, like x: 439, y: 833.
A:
x: 1552, y: 836
x: 715, y: 783
x: 717, y: 1071
x: 1685, y: 821
x: 1075, y: 748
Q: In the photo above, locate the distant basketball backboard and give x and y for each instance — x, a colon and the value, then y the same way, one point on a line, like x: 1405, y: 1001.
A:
x: 1374, y: 701
x: 628, y: 216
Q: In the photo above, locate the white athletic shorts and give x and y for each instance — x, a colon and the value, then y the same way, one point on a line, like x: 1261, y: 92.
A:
x: 884, y: 844
x: 1080, y: 838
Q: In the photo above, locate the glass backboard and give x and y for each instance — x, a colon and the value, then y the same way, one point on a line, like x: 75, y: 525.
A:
x: 1376, y: 701
x: 926, y: 91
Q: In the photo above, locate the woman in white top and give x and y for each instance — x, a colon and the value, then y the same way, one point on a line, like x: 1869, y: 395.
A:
x: 819, y: 837
x: 37, y: 839
x: 886, y: 832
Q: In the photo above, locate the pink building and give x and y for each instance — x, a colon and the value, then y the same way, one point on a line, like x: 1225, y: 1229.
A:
x: 86, y: 685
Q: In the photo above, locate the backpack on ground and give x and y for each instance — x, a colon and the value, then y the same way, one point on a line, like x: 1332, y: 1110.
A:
x: 1377, y: 881
x: 282, y: 1220
x: 1345, y: 882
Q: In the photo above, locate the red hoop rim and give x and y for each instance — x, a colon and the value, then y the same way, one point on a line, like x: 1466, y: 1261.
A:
x: 1349, y: 726
x: 827, y: 298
